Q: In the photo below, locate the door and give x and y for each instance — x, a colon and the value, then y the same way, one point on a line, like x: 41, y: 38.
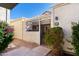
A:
x: 44, y: 29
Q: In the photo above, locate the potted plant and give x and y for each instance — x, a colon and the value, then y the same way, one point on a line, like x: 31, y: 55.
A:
x: 53, y: 39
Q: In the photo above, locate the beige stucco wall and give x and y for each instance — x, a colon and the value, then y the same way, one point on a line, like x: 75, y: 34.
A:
x: 17, y: 25
x: 3, y: 15
x: 21, y: 33
x: 31, y: 36
x: 66, y: 14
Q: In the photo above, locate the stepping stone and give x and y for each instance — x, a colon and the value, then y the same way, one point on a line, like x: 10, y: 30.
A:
x: 11, y: 45
x: 17, y: 52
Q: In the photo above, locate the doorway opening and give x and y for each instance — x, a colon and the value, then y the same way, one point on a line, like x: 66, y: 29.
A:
x: 44, y: 29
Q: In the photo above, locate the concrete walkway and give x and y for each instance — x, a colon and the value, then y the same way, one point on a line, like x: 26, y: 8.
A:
x: 23, y: 51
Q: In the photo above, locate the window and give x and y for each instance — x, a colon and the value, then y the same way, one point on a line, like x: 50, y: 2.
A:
x: 28, y: 26
x: 35, y: 27
x: 32, y: 26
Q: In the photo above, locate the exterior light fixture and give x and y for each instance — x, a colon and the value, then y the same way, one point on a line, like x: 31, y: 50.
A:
x: 56, y: 18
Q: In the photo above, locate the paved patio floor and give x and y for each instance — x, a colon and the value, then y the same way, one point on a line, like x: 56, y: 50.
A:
x: 23, y: 51
x: 22, y: 48
x: 20, y: 43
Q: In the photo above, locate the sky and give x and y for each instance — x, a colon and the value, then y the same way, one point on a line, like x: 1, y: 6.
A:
x: 29, y: 10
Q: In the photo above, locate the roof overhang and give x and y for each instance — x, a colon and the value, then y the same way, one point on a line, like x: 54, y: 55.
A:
x: 8, y: 5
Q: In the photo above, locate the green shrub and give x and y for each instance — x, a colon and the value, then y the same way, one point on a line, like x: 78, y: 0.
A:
x: 75, y: 38
x: 6, y: 34
x: 54, y: 37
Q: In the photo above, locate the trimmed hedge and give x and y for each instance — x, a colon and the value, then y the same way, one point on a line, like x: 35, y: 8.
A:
x: 54, y: 37
x: 75, y: 38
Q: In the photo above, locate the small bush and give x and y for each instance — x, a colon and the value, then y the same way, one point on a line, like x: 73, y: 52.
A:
x: 75, y: 38
x: 6, y: 34
x: 54, y: 37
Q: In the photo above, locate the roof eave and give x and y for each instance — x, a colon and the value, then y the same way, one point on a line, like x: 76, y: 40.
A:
x: 8, y: 5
